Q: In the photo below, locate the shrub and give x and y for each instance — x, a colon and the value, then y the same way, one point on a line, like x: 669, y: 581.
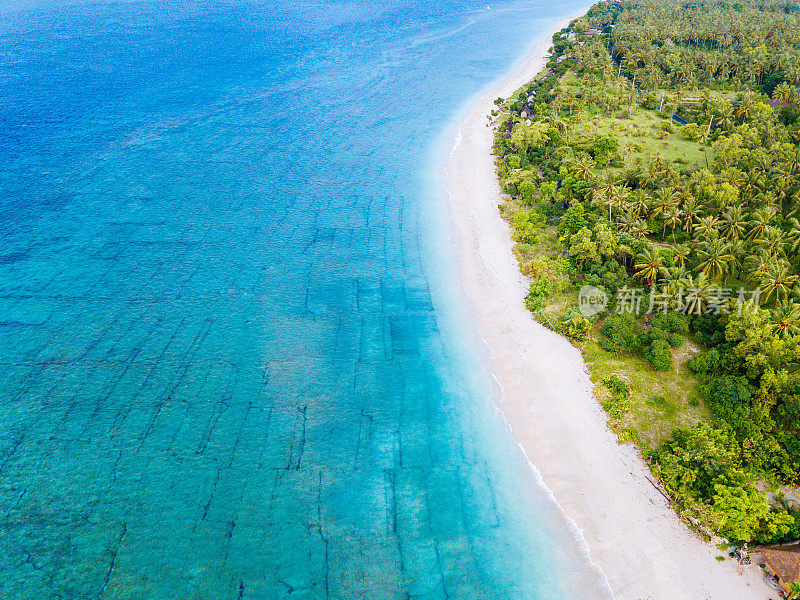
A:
x: 602, y: 148
x: 708, y: 362
x: 547, y: 190
x: 540, y: 291
x: 551, y: 269
x: 620, y: 333
x: 620, y: 401
x: 659, y: 354
x: 617, y: 407
x: 526, y: 225
x: 649, y: 101
x: 672, y: 321
x: 575, y: 326
x: 700, y: 467
x: 647, y: 338
x: 791, y: 535
x: 776, y: 525
x: 729, y: 399
x: 709, y: 329
x: 616, y: 161
x: 691, y: 131
x: 741, y: 511
x: 675, y: 340
x: 573, y: 220
x: 694, y: 458
x: 527, y: 188
x: 616, y: 385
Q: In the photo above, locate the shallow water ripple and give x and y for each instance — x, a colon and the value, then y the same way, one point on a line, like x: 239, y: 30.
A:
x: 221, y: 366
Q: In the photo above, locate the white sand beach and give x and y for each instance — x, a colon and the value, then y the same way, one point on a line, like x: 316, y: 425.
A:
x: 645, y: 551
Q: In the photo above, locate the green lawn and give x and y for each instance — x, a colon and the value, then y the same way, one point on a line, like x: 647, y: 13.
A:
x: 643, y: 136
x: 660, y: 401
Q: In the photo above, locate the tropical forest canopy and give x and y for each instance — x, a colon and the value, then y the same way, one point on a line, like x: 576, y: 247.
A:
x: 657, y: 160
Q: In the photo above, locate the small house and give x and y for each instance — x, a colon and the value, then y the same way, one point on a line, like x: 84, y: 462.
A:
x: 784, y: 563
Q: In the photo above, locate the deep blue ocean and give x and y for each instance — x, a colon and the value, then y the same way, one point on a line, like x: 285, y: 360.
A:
x: 223, y: 371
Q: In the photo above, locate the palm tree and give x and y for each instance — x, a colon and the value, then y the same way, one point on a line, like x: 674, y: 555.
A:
x: 725, y: 117
x: 649, y: 265
x: 778, y: 281
x: 691, y: 212
x: 639, y: 229
x: 794, y: 72
x: 783, y: 190
x: 764, y: 162
x: 739, y: 251
x: 734, y: 222
x: 673, y: 281
x: 782, y: 92
x: 766, y: 198
x: 735, y: 177
x: 745, y: 108
x: 760, y: 220
x: 665, y: 199
x: 605, y: 191
x: 786, y: 318
x: 758, y: 264
x: 619, y: 197
x: 794, y: 162
x: 703, y: 138
x: 582, y: 167
x: 681, y: 255
x: 626, y: 222
x: 697, y: 293
x: 715, y: 258
x: 793, y: 237
x: 706, y: 227
x: 753, y: 183
x: 772, y: 240
x: 705, y: 100
x: 640, y: 202
x: 673, y: 219
x: 627, y: 150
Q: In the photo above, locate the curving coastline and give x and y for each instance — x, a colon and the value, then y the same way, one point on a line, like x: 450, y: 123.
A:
x: 545, y: 394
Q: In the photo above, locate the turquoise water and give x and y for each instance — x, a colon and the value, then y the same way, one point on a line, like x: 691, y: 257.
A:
x: 223, y: 371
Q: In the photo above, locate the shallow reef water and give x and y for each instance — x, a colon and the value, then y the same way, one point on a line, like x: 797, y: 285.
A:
x: 222, y: 367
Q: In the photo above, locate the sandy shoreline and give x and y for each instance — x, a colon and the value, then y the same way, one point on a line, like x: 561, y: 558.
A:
x: 633, y: 535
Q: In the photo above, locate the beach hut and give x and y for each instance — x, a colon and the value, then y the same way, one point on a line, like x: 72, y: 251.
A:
x: 784, y: 563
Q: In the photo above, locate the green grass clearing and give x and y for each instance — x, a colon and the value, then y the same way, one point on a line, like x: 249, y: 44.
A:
x: 659, y: 401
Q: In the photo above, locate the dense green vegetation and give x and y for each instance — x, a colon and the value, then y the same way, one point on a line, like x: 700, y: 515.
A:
x: 689, y: 224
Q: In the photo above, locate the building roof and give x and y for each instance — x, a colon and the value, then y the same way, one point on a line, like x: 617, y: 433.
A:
x: 783, y: 561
